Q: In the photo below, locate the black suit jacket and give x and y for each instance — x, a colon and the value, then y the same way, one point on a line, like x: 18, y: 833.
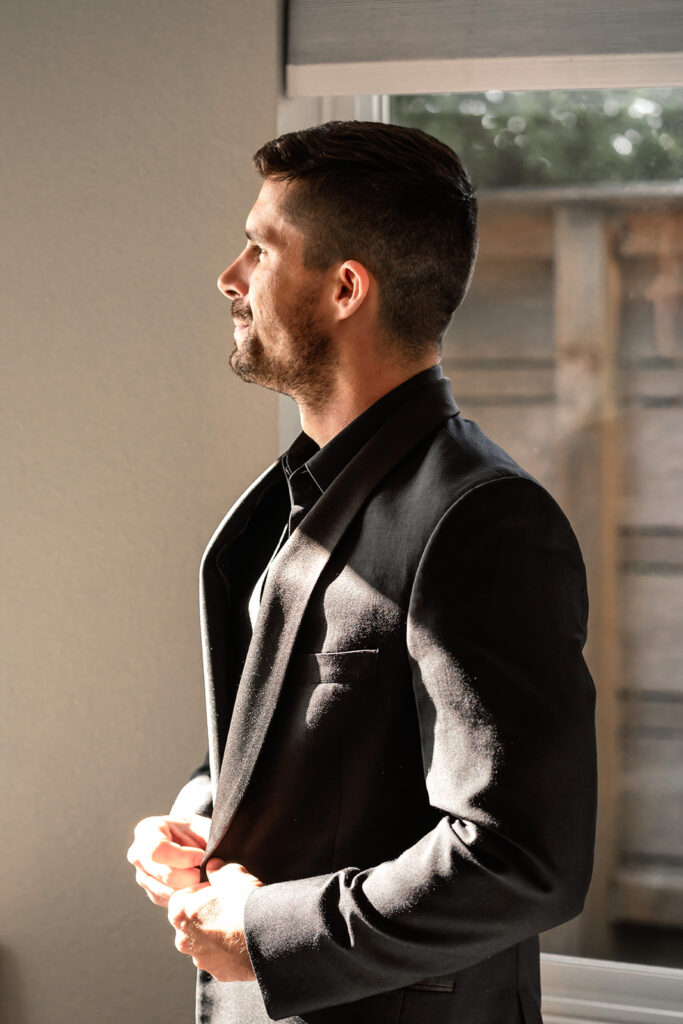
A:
x: 404, y: 750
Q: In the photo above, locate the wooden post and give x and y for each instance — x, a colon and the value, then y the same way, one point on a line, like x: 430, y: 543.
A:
x: 586, y: 333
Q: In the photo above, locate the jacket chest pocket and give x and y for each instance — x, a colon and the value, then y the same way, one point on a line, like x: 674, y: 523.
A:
x: 327, y: 686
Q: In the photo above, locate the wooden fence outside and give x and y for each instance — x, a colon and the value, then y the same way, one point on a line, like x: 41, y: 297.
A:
x: 569, y: 353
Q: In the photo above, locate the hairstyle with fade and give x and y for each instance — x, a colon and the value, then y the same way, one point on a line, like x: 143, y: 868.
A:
x: 395, y: 199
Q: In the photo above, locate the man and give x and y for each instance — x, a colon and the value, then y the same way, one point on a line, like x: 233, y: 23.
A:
x: 402, y: 768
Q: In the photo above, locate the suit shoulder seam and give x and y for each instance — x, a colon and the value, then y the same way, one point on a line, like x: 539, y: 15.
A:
x: 499, y: 474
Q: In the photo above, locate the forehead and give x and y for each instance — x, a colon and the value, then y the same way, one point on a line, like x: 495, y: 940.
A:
x: 266, y: 221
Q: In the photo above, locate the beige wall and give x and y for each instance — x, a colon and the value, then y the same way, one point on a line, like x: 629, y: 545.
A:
x: 129, y: 126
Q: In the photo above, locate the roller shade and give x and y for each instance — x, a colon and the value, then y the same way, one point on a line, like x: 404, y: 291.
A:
x: 345, y: 47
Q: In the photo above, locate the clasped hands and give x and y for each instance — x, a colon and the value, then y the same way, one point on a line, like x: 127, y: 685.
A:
x: 208, y: 917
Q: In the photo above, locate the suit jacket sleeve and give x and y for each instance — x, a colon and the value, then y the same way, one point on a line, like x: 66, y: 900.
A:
x: 195, y: 797
x: 495, y: 632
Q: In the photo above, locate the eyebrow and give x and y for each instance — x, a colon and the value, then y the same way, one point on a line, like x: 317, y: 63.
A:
x: 254, y: 236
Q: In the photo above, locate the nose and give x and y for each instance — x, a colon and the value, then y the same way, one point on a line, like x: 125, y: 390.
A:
x: 233, y: 282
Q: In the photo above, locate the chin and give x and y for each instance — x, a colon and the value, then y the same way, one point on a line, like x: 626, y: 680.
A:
x: 247, y: 365
x: 241, y: 367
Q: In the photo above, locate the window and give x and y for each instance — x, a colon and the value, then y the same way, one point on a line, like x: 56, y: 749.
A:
x: 569, y: 352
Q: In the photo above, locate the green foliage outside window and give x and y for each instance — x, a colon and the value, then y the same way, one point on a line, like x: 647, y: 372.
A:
x: 558, y: 137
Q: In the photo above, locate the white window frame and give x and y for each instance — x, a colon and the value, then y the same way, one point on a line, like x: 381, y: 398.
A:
x: 575, y: 990
x: 605, y: 992
x: 570, y: 71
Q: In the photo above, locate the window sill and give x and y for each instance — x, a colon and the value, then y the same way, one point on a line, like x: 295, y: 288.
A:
x: 604, y: 992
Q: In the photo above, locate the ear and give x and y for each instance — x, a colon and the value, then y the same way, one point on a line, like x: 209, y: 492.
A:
x: 351, y: 288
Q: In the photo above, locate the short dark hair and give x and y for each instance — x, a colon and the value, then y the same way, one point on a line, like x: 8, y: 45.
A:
x: 394, y: 198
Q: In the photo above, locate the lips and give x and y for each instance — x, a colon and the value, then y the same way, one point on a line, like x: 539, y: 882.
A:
x: 241, y: 328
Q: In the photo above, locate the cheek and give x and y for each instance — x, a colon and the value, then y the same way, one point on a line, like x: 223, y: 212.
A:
x: 259, y: 297
x: 269, y: 301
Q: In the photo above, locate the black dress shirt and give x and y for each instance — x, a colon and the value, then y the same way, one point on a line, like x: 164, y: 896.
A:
x: 310, y: 470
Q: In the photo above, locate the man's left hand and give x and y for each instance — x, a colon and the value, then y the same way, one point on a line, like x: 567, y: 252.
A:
x: 209, y: 921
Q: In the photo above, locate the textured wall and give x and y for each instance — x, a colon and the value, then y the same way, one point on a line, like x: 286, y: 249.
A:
x: 129, y: 128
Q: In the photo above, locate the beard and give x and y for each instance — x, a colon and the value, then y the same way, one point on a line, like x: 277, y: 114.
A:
x: 304, y: 373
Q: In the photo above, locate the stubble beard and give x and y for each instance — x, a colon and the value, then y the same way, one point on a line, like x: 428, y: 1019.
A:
x: 305, y: 374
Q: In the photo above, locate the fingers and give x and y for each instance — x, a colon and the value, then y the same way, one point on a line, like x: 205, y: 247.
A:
x: 168, y: 842
x: 156, y: 891
x: 193, y: 832
x: 209, y: 928
x: 184, y: 906
x: 215, y: 864
x: 170, y: 864
x: 165, y: 841
x: 175, y: 878
x: 172, y: 878
x: 163, y: 864
x: 235, y: 876
x: 182, y: 831
x: 174, y: 855
x: 183, y: 913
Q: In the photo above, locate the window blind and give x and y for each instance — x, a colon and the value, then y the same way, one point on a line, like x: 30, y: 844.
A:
x: 345, y: 47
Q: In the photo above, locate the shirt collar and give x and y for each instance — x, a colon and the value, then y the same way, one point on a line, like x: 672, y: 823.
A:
x: 324, y: 464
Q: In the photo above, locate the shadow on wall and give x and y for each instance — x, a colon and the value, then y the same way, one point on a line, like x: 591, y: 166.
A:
x: 12, y: 1006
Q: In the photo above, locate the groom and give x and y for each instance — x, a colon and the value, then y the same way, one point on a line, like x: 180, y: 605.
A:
x: 400, y: 788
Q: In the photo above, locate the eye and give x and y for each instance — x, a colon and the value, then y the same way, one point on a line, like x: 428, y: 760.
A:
x: 257, y: 251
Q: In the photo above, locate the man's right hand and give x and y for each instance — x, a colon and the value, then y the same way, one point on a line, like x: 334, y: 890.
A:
x: 166, y: 853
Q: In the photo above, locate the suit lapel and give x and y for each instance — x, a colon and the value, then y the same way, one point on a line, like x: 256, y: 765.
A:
x: 294, y: 574
x: 214, y: 602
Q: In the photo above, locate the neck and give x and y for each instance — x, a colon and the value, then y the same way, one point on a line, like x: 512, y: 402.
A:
x: 352, y: 394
